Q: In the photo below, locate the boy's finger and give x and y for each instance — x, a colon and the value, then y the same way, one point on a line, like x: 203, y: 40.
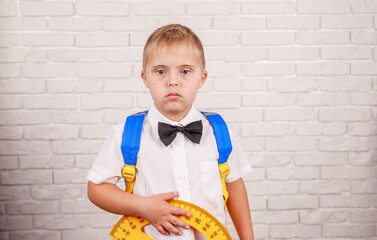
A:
x: 168, y: 196
x: 180, y: 212
x: 171, y: 228
x: 162, y: 230
x: 177, y: 222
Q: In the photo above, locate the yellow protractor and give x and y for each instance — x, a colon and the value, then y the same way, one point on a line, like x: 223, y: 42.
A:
x: 132, y: 228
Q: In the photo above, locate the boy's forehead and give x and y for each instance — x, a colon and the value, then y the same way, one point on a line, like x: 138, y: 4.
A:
x: 174, y: 49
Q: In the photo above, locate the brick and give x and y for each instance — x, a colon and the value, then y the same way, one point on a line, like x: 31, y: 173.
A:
x: 267, y: 129
x: 345, y: 84
x: 344, y: 114
x: 96, y: 131
x: 75, y: 86
x: 104, y: 70
x: 345, y: 172
x: 8, y: 9
x: 323, y: 7
x: 10, y: 133
x: 76, y: 146
x: 51, y: 132
x: 292, y: 84
x: 93, y: 102
x: 364, y: 187
x: 78, y: 206
x: 46, y: 9
x: 8, y: 162
x: 269, y: 159
x: 362, y: 129
x: 24, y: 147
x: 272, y: 188
x: 364, y: 216
x: 58, y: 70
x: 46, y: 162
x: 336, y: 53
x: 274, y: 217
x: 139, y: 38
x: 196, y: 22
x: 268, y: 69
x: 10, y: 102
x: 268, y: 7
x: 10, y: 70
x: 132, y: 23
x: 346, y: 22
x: 228, y: 84
x: 50, y: 102
x: 293, y: 53
x: 102, y: 220
x: 124, y: 55
x: 251, y: 144
x: 284, y: 173
x: 266, y: 38
x: 34, y: 23
x: 56, y: 192
x: 77, y: 117
x: 60, y: 222
x: 75, y: 24
x: 84, y: 233
x: 323, y: 69
x: 33, y: 207
x: 239, y: 23
x: 75, y: 55
x: 16, y: 222
x: 258, y: 203
x: 4, y: 236
x: 223, y: 69
x: 47, y: 39
x: 347, y: 230
x: 242, y: 115
x: 125, y: 85
x: 268, y: 99
x: 12, y: 193
x: 216, y: 38
x: 71, y: 176
x: 164, y: 8
x: 108, y: 39
x: 23, y: 55
x: 239, y: 54
x: 364, y: 68
x: 344, y: 201
x: 102, y: 8
x: 26, y: 177
x: 362, y: 158
x: 344, y: 144
x: 328, y: 216
x: 320, y: 158
x: 323, y: 99
x: 364, y: 6
x: 22, y: 86
x: 325, y: 187
x: 293, y: 22
x: 258, y: 175
x: 9, y: 39
x: 322, y: 37
x: 84, y: 161
x: 291, y: 144
x: 213, y: 8
x: 294, y: 230
x: 290, y: 114
x: 364, y: 37
x: 36, y: 235
x: 327, y: 129
x: 210, y: 101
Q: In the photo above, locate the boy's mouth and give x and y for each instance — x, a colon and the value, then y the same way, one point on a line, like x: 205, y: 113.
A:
x: 173, y: 95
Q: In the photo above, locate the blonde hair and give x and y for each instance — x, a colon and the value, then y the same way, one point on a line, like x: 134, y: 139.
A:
x: 173, y: 35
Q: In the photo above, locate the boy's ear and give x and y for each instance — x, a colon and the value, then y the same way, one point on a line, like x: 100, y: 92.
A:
x: 144, y: 79
x: 204, y: 78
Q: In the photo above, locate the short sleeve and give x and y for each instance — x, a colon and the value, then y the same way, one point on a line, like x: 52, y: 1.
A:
x: 237, y: 161
x: 108, y: 164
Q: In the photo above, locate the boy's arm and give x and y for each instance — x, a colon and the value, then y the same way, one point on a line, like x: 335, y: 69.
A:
x: 238, y: 207
x: 155, y: 208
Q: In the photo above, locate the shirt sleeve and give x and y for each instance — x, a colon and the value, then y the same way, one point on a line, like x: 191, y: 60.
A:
x: 237, y: 161
x: 109, y: 162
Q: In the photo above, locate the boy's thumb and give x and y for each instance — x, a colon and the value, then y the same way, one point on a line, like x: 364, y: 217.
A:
x: 169, y: 195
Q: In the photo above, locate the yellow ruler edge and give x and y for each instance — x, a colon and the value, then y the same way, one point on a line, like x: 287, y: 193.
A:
x: 131, y: 228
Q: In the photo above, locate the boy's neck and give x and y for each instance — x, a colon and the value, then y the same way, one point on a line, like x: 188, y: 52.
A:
x: 175, y: 117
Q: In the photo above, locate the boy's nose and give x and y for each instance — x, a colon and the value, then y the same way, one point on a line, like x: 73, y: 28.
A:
x: 173, y: 81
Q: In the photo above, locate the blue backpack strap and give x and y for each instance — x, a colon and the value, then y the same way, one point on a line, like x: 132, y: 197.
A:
x: 130, y: 147
x: 224, y: 144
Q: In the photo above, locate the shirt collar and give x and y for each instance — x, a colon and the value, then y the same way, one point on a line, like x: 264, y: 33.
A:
x: 154, y: 116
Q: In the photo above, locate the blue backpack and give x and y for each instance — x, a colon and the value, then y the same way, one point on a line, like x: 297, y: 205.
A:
x: 131, y: 144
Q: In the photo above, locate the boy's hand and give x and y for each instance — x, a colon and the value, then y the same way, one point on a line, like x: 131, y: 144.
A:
x: 163, y: 216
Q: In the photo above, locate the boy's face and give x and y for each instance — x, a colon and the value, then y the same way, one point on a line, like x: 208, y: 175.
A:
x: 173, y: 78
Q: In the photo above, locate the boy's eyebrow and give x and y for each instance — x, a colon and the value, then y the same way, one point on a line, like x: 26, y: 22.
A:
x: 164, y: 66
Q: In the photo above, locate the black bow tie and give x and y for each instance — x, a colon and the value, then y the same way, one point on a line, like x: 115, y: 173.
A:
x: 192, y: 131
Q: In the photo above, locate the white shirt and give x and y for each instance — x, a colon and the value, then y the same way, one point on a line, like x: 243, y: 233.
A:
x: 183, y: 166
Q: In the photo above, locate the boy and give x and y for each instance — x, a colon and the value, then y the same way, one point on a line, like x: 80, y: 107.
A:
x: 183, y: 168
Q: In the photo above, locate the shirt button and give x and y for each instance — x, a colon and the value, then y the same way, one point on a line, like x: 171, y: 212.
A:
x: 178, y: 143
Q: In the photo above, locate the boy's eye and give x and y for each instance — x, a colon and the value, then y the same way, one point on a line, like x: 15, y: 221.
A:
x: 185, y: 72
x: 161, y: 72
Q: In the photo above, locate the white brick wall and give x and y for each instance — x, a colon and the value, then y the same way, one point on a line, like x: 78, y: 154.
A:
x: 295, y: 79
